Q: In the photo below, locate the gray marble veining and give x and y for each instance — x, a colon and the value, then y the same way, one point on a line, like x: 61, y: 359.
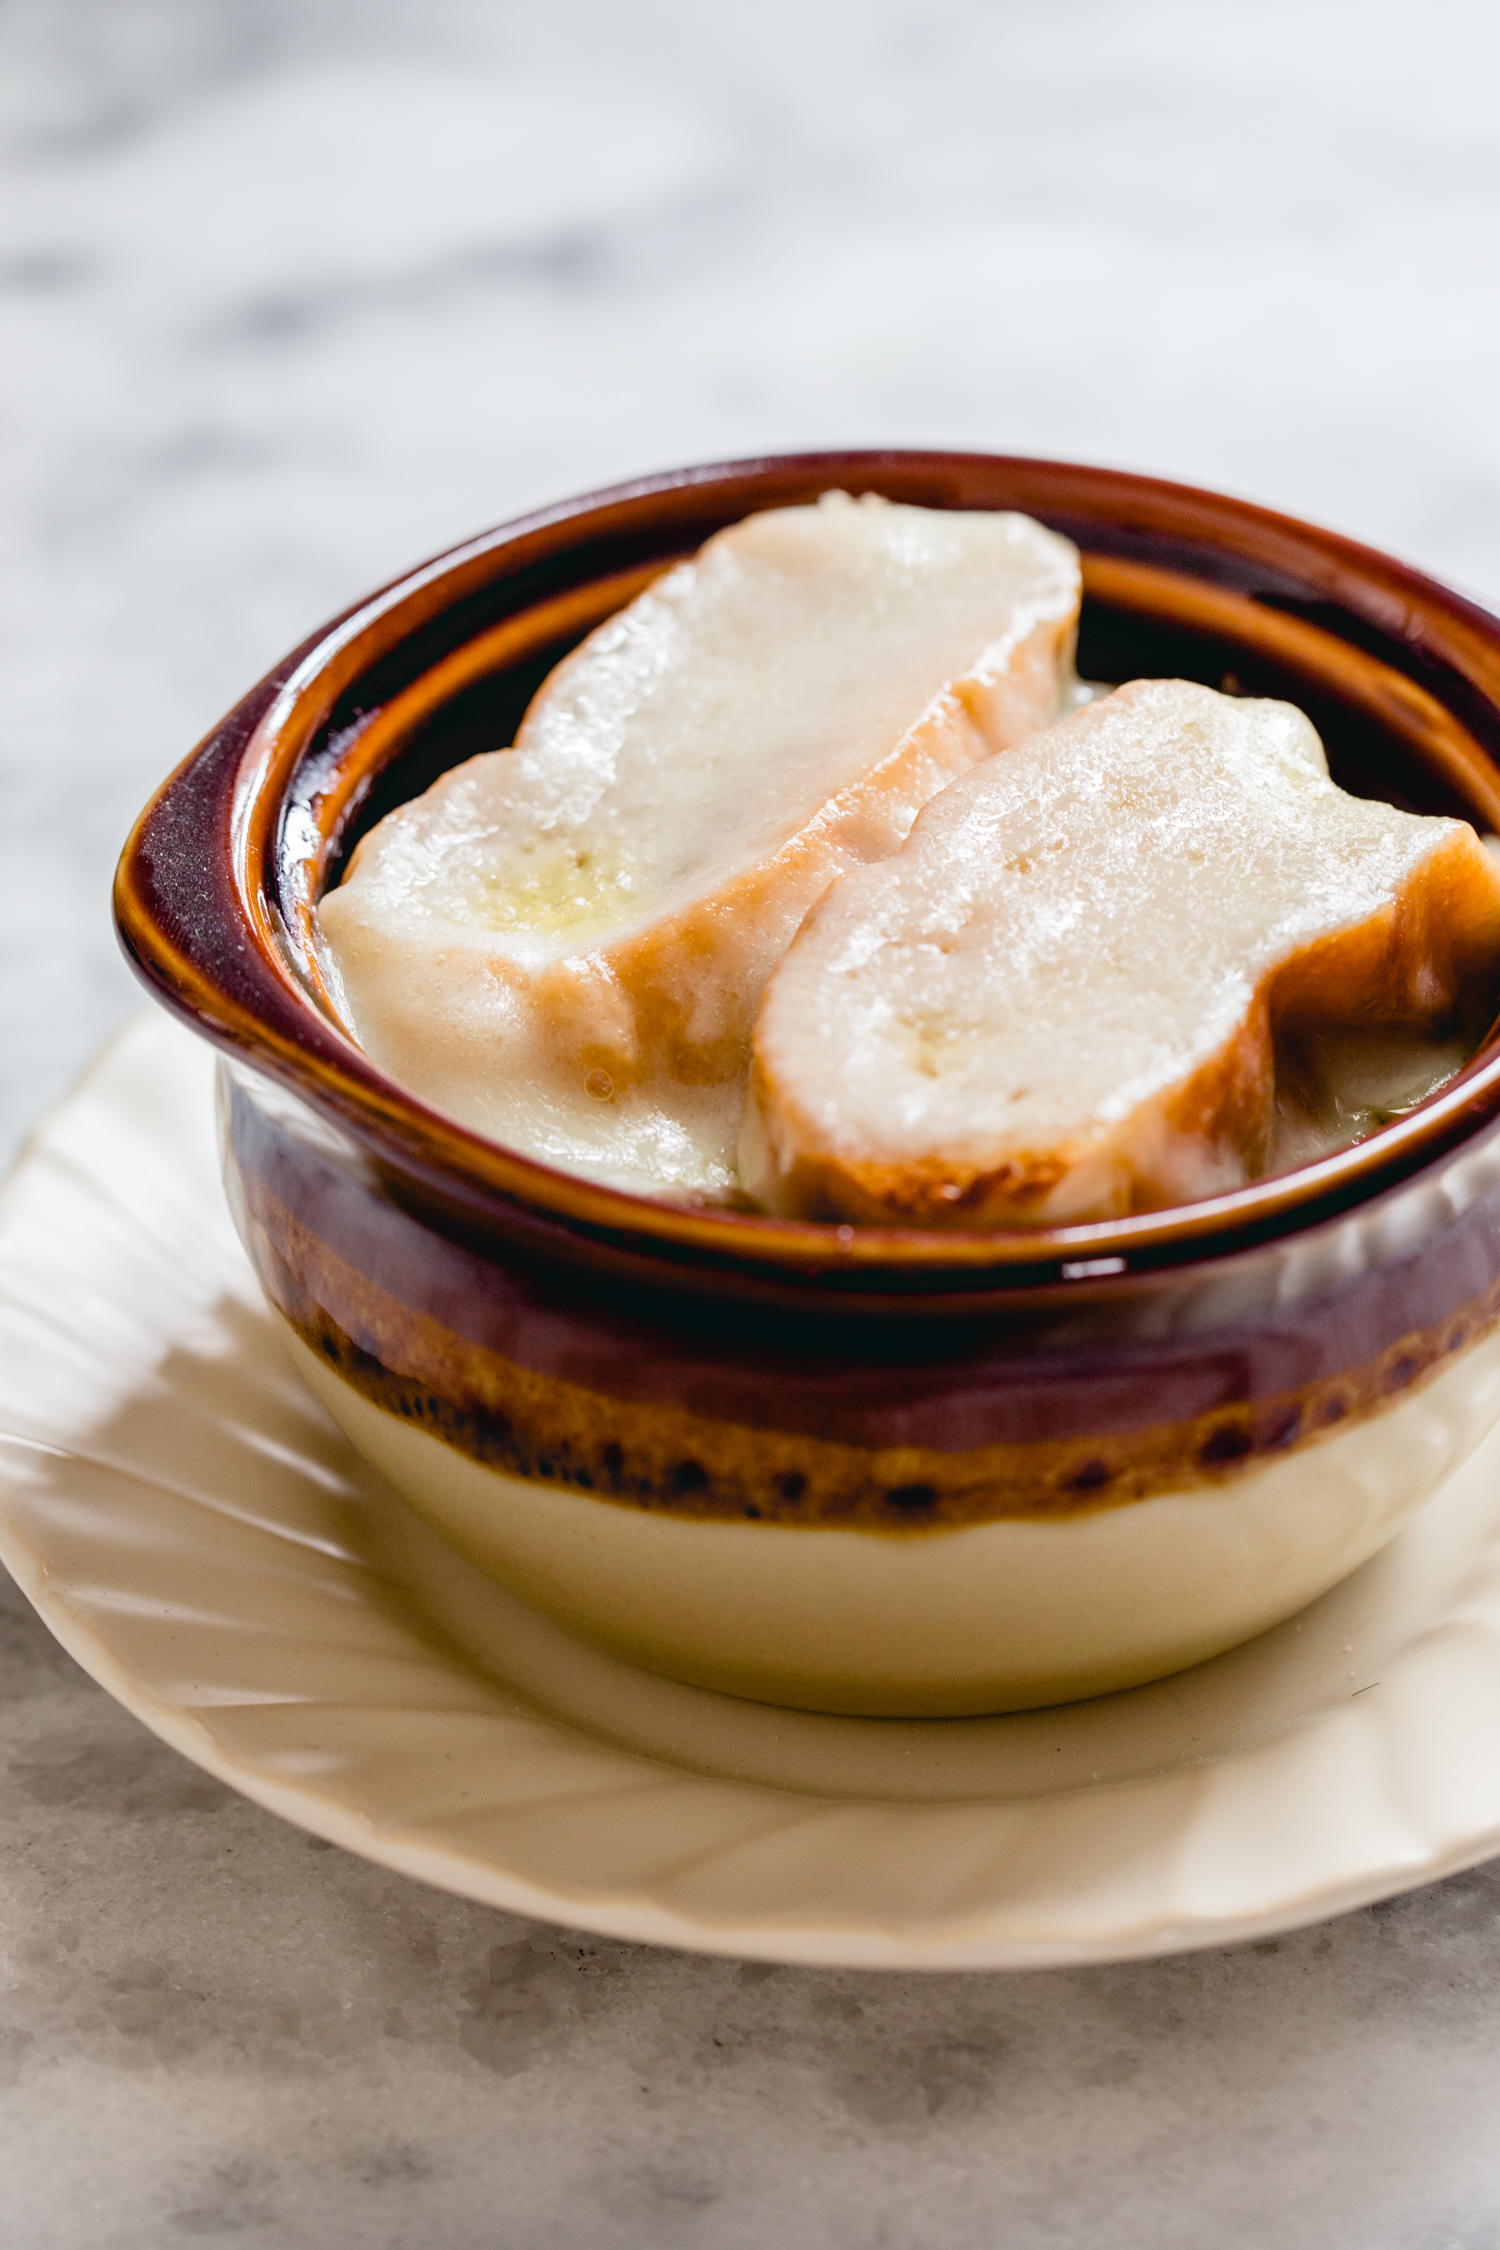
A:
x: 293, y: 292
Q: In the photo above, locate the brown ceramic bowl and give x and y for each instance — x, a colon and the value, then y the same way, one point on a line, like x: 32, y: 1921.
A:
x: 862, y: 1470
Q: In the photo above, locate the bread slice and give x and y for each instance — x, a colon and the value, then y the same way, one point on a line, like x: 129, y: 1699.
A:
x: 1061, y: 999
x: 565, y: 944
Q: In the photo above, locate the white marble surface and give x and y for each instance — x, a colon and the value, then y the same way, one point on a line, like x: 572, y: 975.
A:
x: 293, y: 291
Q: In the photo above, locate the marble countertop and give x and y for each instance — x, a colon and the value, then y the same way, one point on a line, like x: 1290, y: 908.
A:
x: 293, y: 293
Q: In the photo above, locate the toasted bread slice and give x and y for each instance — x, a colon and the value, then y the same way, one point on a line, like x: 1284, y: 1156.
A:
x: 565, y: 944
x: 1060, y: 1000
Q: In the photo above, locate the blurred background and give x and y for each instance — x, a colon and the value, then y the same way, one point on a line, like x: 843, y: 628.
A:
x: 295, y: 291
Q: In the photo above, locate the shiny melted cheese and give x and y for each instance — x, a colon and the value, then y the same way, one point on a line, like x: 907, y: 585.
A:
x: 565, y: 944
x: 1065, y: 997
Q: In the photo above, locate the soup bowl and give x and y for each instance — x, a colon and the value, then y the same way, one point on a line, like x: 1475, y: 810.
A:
x: 859, y: 1470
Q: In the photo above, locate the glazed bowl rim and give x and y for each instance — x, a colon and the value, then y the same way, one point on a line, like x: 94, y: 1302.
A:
x: 202, y: 967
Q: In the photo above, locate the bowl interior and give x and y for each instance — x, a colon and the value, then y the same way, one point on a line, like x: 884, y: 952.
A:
x: 388, y: 738
x: 1384, y: 736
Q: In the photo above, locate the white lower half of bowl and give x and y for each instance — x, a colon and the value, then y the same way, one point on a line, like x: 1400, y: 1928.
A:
x: 999, y: 1616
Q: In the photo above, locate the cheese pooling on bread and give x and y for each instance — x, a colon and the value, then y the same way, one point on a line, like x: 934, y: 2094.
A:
x: 565, y: 944
x: 1064, y: 998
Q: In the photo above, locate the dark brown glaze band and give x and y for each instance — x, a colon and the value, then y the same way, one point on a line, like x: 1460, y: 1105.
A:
x: 1050, y: 1368
x: 512, y: 1373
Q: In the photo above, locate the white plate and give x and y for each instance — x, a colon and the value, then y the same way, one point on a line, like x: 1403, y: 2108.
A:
x: 201, y: 1538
